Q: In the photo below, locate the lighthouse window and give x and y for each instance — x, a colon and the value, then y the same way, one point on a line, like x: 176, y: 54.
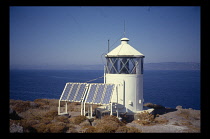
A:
x: 122, y: 65
x: 142, y: 68
x: 111, y: 66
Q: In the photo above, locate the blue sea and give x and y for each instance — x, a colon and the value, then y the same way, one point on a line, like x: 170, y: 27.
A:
x: 163, y: 87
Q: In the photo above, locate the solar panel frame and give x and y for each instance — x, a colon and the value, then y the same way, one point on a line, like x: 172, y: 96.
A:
x: 94, y: 93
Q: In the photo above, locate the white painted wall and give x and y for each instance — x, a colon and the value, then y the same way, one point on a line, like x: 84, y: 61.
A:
x: 130, y: 91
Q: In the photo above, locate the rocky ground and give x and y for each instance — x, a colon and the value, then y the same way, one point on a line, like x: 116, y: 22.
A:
x: 178, y: 121
x: 41, y: 116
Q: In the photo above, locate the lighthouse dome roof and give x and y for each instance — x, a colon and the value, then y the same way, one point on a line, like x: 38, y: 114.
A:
x: 124, y: 50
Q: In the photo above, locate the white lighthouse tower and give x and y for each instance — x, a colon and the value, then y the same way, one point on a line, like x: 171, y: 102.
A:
x: 124, y: 67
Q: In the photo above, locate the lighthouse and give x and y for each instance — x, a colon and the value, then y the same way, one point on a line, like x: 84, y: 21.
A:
x: 124, y: 68
x: 122, y: 90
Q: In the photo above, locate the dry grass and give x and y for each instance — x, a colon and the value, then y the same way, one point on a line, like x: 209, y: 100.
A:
x: 56, y: 127
x: 74, y: 106
x: 104, y: 127
x: 189, y: 114
x: 89, y: 129
x: 145, y: 118
x: 19, y: 105
x: 77, y: 119
x: 108, y: 124
x: 40, y: 116
x: 125, y: 129
x: 155, y: 106
x: 63, y: 119
x: 184, y: 113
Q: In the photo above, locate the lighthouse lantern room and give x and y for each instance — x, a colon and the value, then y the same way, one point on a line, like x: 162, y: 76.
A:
x: 124, y: 68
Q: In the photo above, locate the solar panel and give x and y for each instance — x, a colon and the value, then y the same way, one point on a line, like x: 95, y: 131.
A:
x: 66, y: 91
x: 91, y: 93
x: 107, y: 94
x: 72, y: 92
x: 99, y: 93
x: 80, y: 92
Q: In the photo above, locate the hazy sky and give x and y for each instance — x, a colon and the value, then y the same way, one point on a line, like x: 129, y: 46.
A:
x: 79, y: 34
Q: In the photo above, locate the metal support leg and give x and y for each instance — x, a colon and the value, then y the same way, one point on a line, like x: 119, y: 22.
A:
x: 84, y: 109
x: 81, y: 108
x: 66, y: 107
x: 88, y: 111
x: 117, y: 113
x: 59, y: 107
x: 111, y: 109
x: 91, y: 108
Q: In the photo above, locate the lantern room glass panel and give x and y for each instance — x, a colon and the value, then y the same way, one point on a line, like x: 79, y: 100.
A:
x: 142, y: 67
x: 123, y: 65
